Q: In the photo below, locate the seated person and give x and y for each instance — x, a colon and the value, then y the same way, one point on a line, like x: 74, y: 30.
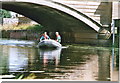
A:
x: 58, y: 37
x: 44, y: 36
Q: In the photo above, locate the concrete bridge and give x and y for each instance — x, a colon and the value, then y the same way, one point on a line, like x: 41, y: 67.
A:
x: 61, y: 16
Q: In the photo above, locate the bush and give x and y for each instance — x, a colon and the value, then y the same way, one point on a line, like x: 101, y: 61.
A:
x: 5, y: 14
x: 35, y: 27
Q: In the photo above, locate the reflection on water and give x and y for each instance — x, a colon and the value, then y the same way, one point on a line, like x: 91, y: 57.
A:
x: 18, y: 59
x: 114, y: 64
x: 85, y: 63
x: 50, y: 56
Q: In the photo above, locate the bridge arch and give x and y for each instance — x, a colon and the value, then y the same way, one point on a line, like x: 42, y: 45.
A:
x: 53, y: 15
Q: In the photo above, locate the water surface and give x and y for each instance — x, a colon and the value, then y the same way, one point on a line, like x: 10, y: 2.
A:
x: 23, y: 60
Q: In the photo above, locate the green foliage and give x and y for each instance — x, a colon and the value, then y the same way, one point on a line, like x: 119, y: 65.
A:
x: 5, y: 14
x: 35, y: 27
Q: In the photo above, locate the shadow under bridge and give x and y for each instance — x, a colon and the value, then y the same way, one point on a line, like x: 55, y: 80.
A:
x: 73, y: 25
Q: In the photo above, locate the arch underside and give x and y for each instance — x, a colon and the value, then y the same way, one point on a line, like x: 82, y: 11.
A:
x: 51, y: 18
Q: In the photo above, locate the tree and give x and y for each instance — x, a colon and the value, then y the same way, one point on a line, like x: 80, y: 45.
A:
x: 5, y: 14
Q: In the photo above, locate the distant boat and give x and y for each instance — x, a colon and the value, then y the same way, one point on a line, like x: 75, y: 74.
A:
x: 49, y: 44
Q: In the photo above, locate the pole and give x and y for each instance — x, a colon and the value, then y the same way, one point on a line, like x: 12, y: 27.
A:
x: 119, y: 50
x: 113, y: 50
x: 113, y: 41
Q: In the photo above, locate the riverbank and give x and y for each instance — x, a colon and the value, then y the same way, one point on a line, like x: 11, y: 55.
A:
x: 22, y: 32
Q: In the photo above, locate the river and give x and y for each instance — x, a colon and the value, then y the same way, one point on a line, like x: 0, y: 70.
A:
x: 24, y: 60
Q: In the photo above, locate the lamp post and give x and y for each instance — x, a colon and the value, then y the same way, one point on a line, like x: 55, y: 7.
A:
x: 117, y: 24
x: 117, y: 42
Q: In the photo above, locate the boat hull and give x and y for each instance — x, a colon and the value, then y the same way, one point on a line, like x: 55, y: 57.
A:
x: 49, y: 44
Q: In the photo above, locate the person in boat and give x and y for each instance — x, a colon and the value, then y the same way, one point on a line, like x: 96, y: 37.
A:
x: 44, y: 36
x: 58, y: 37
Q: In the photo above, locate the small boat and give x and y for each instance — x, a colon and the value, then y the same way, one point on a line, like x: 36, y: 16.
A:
x: 49, y: 43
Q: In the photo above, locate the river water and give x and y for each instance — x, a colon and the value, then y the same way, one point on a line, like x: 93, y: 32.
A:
x: 24, y: 60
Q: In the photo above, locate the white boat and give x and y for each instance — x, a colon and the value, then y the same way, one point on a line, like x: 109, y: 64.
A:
x: 49, y: 43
